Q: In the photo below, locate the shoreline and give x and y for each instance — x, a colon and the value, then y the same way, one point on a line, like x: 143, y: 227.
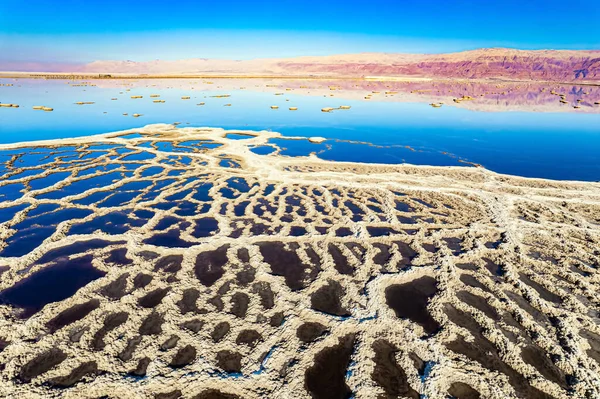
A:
x: 416, y: 79
x: 113, y: 136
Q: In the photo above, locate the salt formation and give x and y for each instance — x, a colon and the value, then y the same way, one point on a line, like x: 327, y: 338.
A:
x: 167, y: 262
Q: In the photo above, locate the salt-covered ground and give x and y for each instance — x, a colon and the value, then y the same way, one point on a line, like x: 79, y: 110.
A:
x: 166, y: 262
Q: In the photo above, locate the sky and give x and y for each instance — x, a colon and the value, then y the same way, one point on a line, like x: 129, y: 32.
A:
x: 81, y: 31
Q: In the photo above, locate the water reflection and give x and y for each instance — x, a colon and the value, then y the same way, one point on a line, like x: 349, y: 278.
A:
x: 515, y: 128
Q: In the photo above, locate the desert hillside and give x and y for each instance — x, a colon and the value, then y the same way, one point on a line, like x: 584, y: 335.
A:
x: 495, y: 63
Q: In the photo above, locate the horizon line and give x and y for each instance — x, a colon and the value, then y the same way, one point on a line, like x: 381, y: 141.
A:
x: 312, y: 56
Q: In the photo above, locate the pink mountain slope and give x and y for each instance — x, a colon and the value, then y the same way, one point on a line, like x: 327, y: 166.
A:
x: 496, y: 63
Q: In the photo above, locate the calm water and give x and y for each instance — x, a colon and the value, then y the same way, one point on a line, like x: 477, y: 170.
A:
x: 555, y: 144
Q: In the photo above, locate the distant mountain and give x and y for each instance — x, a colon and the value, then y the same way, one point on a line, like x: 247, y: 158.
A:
x: 38, y: 66
x: 495, y: 63
x: 552, y: 65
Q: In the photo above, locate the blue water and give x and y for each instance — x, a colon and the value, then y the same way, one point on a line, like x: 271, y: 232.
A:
x: 556, y: 145
x: 51, y: 284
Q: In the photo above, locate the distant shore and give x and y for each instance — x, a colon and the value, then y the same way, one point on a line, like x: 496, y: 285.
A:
x: 119, y: 76
x: 503, y: 64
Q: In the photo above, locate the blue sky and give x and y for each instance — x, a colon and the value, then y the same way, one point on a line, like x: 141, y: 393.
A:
x: 86, y: 30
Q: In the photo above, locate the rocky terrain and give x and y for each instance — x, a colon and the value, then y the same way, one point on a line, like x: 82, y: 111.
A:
x: 560, y: 66
x: 164, y: 263
x: 494, y: 63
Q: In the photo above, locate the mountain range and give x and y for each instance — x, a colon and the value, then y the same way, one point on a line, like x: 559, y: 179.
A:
x: 494, y: 63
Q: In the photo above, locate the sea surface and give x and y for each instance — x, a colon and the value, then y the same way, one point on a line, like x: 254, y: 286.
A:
x: 166, y: 261
x: 516, y: 129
